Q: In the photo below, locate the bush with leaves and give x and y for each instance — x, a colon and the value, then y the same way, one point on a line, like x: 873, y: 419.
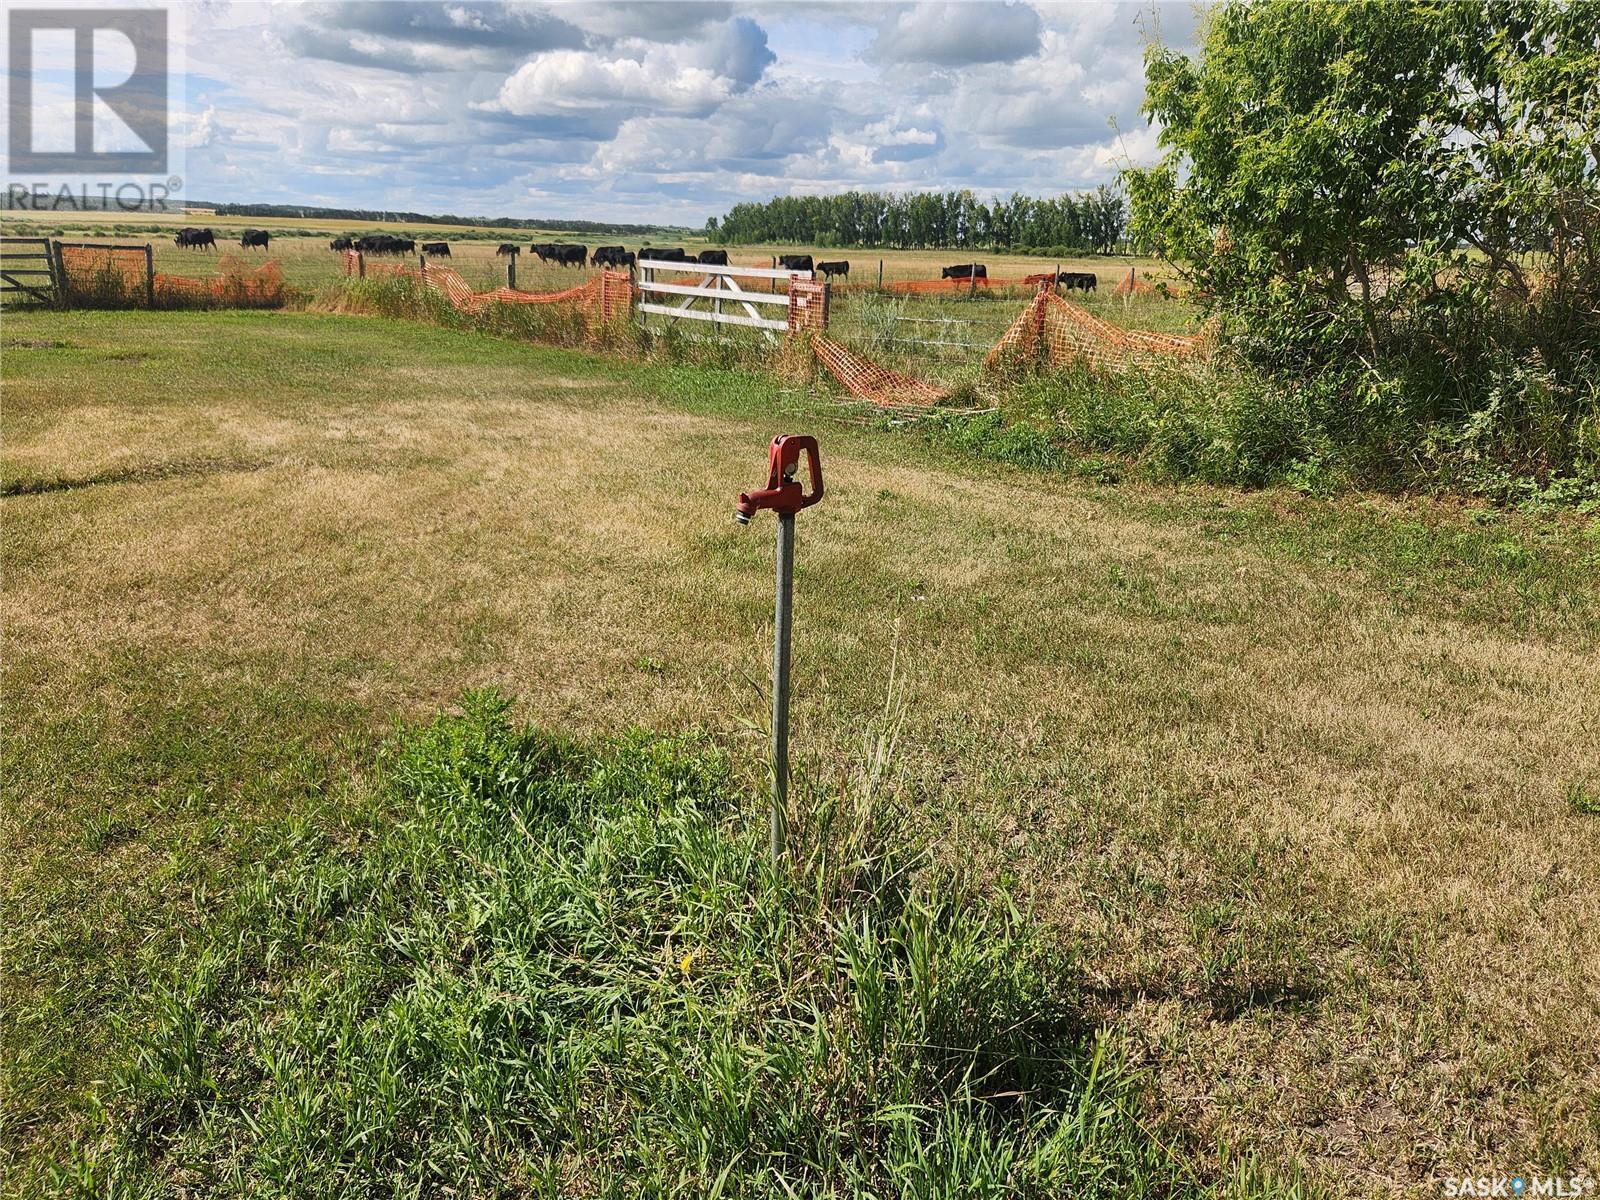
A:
x: 1400, y: 202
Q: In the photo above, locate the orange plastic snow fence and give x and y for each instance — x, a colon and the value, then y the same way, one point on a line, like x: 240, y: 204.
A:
x: 116, y: 274
x: 1049, y: 329
x: 866, y: 379
x: 608, y: 294
x: 1057, y: 330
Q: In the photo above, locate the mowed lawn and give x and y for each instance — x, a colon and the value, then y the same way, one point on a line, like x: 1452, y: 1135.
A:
x: 1311, y: 788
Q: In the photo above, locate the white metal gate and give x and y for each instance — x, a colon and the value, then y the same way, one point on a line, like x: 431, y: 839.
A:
x: 718, y: 289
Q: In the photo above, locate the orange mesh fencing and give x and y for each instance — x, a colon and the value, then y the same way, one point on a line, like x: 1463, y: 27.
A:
x: 1056, y: 330
x: 1050, y: 329
x: 117, y: 274
x: 808, y: 306
x: 604, y: 297
x: 105, y: 273
x: 866, y: 379
x: 1133, y: 286
x: 235, y: 285
x: 942, y: 287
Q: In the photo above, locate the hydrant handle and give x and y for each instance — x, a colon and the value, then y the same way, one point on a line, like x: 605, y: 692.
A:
x: 782, y: 493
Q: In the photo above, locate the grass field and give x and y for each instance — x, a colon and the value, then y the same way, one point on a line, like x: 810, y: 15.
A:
x: 1307, y: 791
x: 301, y: 249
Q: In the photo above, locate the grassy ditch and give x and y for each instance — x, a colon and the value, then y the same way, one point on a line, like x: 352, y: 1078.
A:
x: 572, y: 971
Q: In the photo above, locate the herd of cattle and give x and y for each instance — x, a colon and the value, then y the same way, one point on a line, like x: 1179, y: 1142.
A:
x: 563, y: 255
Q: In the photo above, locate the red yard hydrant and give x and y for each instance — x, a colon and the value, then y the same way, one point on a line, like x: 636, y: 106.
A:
x: 784, y: 495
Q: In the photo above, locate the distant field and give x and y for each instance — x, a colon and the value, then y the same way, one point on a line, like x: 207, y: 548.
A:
x: 301, y: 248
x: 1307, y: 790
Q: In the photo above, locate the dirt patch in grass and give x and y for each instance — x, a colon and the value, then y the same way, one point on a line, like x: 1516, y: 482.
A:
x: 131, y: 474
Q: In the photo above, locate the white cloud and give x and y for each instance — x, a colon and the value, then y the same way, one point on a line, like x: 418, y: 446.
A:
x: 656, y: 111
x: 958, y: 34
x: 570, y: 79
x: 689, y: 79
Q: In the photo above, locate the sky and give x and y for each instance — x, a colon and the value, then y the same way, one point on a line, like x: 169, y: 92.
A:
x: 658, y: 111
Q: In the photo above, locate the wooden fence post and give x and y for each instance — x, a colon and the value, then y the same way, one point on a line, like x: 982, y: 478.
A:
x: 149, y: 275
x: 880, y: 274
x: 972, y: 280
x: 58, y: 272
x: 511, y: 271
x: 361, y: 264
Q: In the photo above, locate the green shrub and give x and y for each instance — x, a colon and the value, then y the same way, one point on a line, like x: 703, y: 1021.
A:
x: 1393, y: 211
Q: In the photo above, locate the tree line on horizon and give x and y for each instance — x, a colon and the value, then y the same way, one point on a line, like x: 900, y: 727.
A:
x: 391, y: 216
x: 1089, y: 222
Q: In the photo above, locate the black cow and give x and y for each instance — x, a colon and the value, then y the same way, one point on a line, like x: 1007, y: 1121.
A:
x: 965, y: 271
x: 190, y: 238
x: 385, y: 243
x: 508, y: 248
x: 1083, y: 280
x: 715, y: 258
x: 834, y: 268
x: 795, y: 262
x: 611, y: 256
x: 342, y: 243
x: 255, y: 239
x: 437, y: 249
x: 663, y: 254
x: 560, y: 253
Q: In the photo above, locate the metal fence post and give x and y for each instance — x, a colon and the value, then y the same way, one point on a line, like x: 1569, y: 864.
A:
x: 880, y: 274
x: 149, y: 275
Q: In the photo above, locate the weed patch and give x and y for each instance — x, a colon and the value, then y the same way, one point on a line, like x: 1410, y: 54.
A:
x: 574, y: 971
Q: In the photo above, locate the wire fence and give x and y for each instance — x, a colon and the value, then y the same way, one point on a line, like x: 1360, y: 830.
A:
x: 125, y: 276
x: 877, y: 352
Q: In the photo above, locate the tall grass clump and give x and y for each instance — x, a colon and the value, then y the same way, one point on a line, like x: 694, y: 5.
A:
x: 106, y: 284
x: 390, y: 294
x: 407, y: 297
x: 572, y: 971
x: 685, y: 343
x: 1228, y: 424
x: 1185, y: 422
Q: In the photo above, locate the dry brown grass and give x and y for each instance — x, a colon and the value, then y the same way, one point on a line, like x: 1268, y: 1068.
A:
x: 1316, y: 843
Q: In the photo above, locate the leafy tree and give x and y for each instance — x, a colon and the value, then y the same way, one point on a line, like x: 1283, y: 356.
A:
x: 1399, y: 202
x: 1094, y: 222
